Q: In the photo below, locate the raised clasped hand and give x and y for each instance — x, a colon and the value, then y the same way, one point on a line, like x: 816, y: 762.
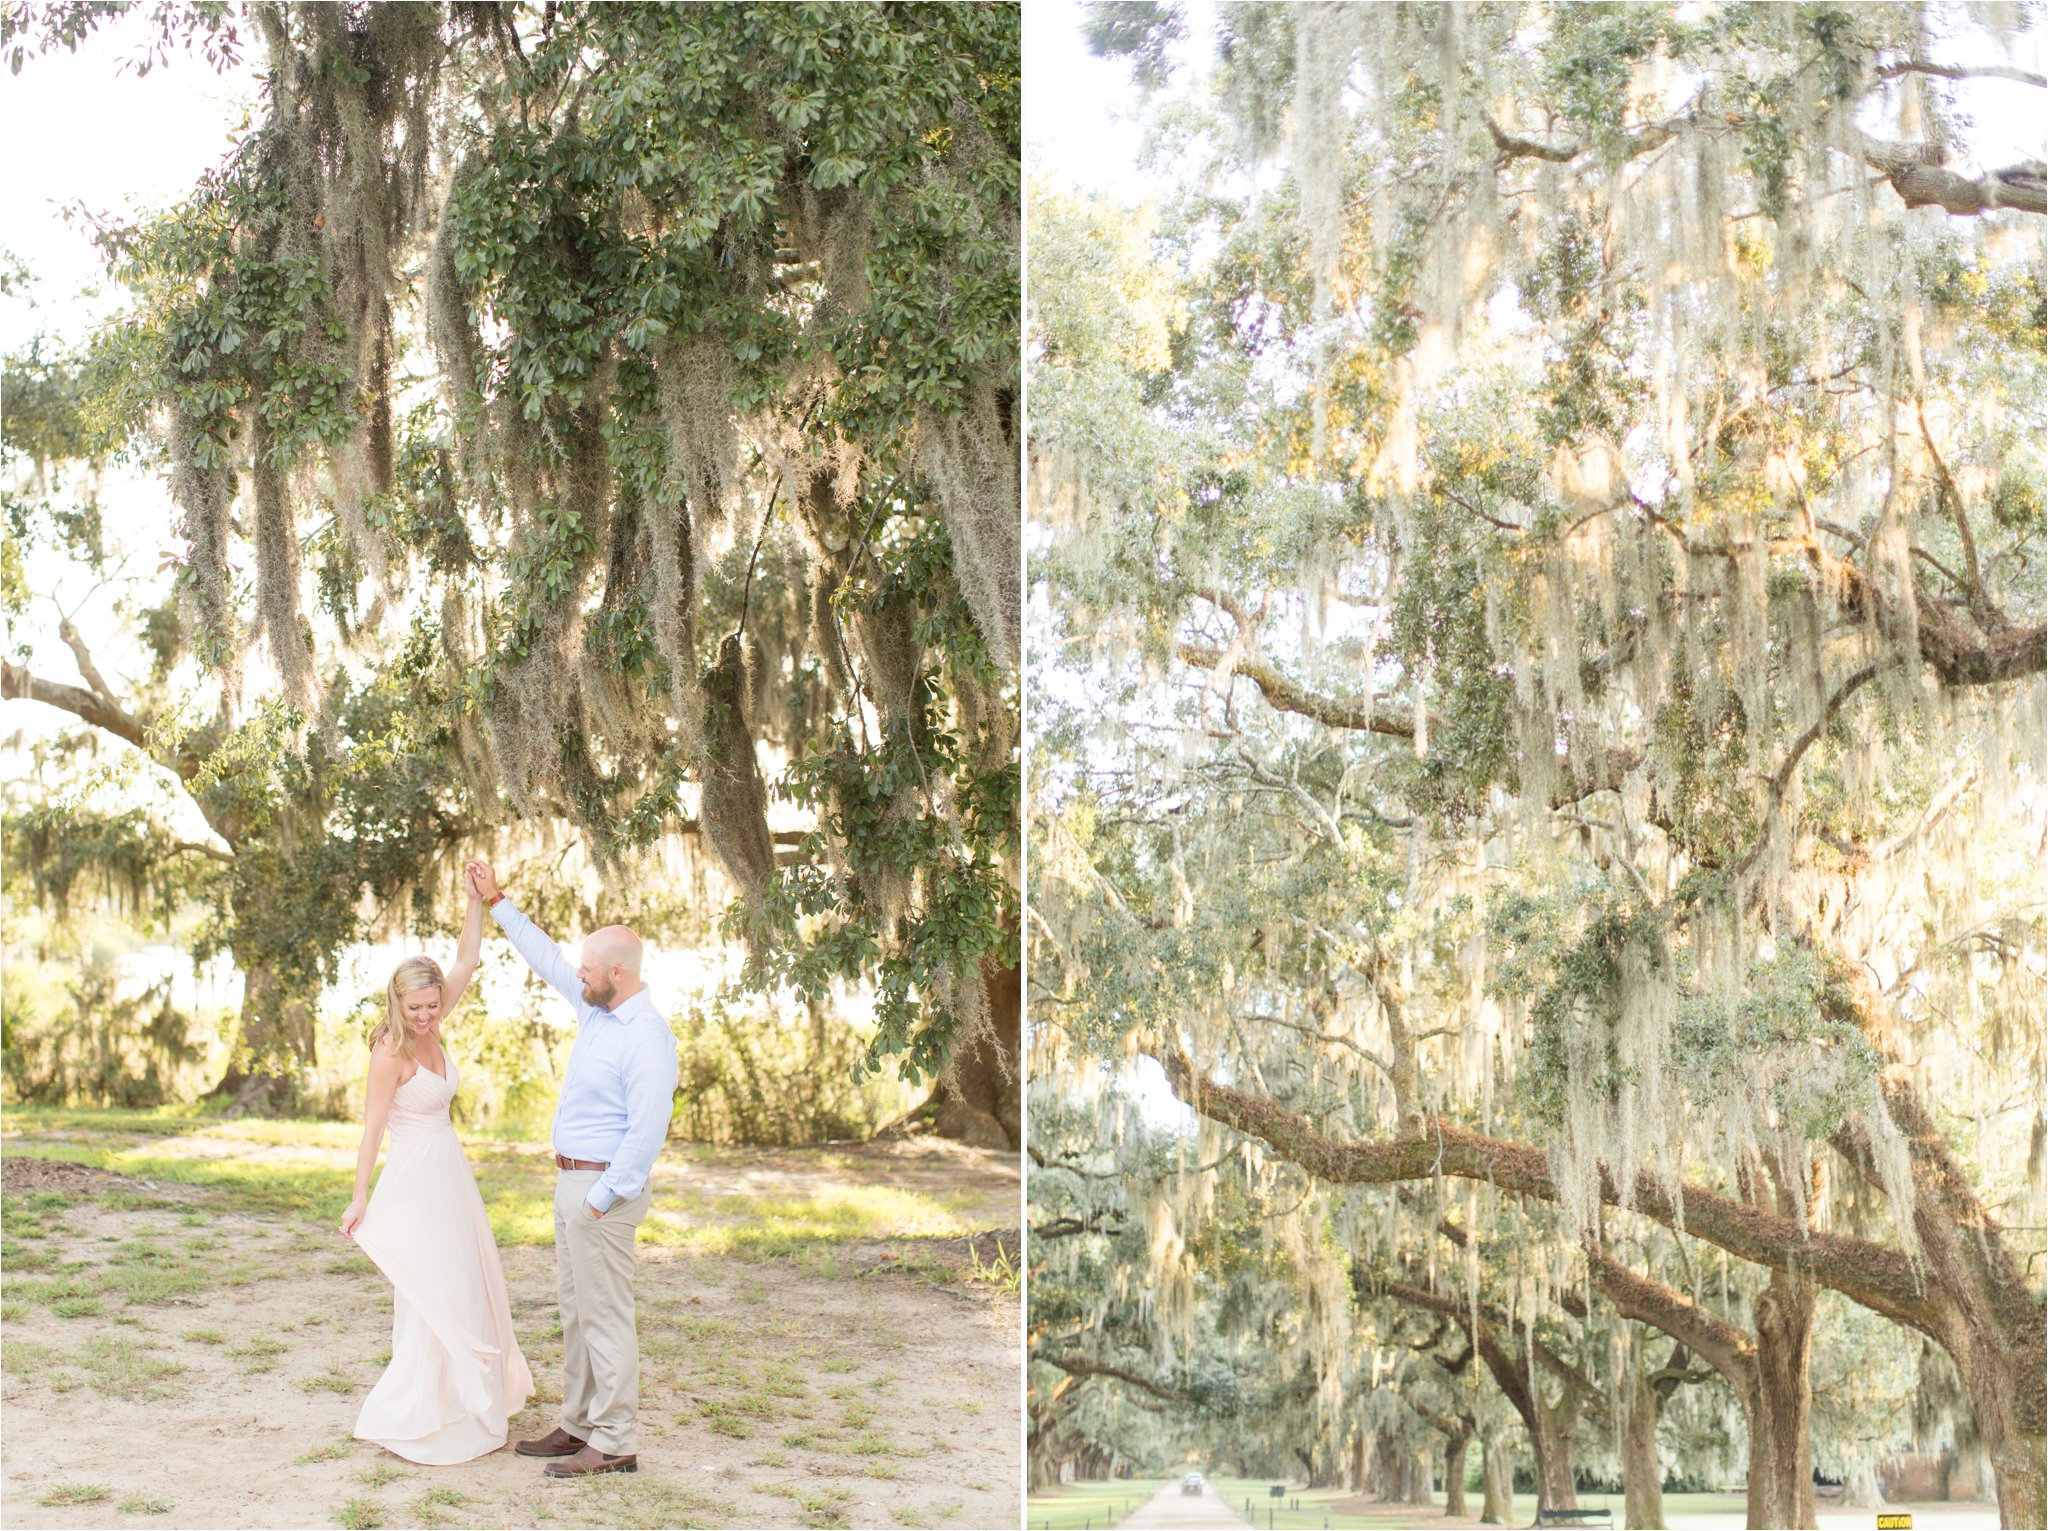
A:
x: 482, y: 880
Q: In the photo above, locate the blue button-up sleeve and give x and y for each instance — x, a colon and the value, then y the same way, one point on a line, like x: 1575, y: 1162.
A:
x: 548, y: 960
x: 650, y: 1097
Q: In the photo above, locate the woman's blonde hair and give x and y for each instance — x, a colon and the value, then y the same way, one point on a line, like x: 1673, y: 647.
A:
x: 409, y: 977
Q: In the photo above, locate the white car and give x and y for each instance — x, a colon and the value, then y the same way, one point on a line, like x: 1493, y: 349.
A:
x: 1191, y: 1484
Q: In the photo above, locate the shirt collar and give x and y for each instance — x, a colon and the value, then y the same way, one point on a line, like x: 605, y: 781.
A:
x: 631, y: 1009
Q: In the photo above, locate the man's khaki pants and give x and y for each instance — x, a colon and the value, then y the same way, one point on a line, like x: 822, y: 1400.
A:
x: 600, y: 1343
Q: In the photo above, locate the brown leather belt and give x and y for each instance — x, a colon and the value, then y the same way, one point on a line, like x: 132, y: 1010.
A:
x: 578, y: 1164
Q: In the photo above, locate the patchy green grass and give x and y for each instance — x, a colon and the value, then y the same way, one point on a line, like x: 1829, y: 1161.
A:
x: 73, y: 1493
x: 135, y: 1504
x: 643, y: 1501
x: 117, y: 1199
x: 823, y: 1507
x: 125, y: 1368
x: 40, y: 1364
x: 333, y: 1451
x: 277, y: 1187
x: 379, y: 1475
x: 871, y: 1443
x: 258, y: 1353
x: 725, y: 1419
x: 333, y: 1380
x: 65, y: 1292
x: 204, y: 1337
x: 34, y: 1215
x: 116, y: 1366
x: 1001, y: 1269
x: 156, y: 1283
x: 770, y: 1226
x: 18, y: 1255
x: 1073, y: 1505
x: 434, y: 1506
x: 359, y: 1514
x: 12, y: 1312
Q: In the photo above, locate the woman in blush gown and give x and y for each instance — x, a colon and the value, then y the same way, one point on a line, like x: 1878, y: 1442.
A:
x: 456, y: 1375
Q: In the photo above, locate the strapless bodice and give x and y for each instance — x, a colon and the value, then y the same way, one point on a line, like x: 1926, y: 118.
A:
x: 421, y: 1104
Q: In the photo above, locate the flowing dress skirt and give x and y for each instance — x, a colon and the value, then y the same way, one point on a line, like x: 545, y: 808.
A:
x: 456, y: 1374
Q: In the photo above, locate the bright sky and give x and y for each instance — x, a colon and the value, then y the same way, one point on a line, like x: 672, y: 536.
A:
x: 73, y: 131
x: 1083, y: 123
x: 78, y: 132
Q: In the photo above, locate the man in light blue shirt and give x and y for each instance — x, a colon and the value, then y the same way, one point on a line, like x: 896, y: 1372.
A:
x: 610, y: 1123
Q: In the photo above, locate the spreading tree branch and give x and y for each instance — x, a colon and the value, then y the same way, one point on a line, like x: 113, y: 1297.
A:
x: 1075, y: 1366
x: 1917, y: 173
x: 1381, y: 718
x: 1875, y: 1275
x: 1959, y: 71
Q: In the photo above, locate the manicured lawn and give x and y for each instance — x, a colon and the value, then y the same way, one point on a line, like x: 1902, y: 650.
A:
x: 304, y: 1170
x: 1088, y: 1506
x: 1310, y: 1509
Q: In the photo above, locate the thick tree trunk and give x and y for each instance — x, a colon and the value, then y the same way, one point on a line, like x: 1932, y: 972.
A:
x: 1497, y: 1483
x: 1421, y: 1474
x: 2004, y: 1386
x: 1401, y: 1471
x: 1966, y: 1293
x: 1642, y: 1474
x: 276, y: 1041
x: 1556, y: 1488
x: 1767, y: 1371
x: 1385, y: 1470
x: 1330, y: 1474
x: 1985, y: 1317
x: 1455, y: 1444
x: 1781, y: 1403
x: 979, y: 1099
x: 1551, y: 1426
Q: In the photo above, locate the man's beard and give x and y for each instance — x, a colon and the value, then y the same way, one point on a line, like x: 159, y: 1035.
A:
x: 600, y: 995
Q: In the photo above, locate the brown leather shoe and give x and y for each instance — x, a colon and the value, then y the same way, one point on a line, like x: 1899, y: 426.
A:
x: 591, y: 1460
x: 556, y: 1443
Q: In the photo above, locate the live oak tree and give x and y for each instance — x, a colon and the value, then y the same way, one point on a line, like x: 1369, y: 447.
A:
x: 648, y: 374
x: 1551, y: 514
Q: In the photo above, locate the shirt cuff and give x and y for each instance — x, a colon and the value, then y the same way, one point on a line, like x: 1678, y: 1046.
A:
x: 600, y: 1199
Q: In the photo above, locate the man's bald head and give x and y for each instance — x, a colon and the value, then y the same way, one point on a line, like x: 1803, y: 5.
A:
x: 610, y: 969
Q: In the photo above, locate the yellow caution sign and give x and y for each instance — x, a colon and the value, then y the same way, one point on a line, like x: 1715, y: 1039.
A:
x: 1896, y: 1522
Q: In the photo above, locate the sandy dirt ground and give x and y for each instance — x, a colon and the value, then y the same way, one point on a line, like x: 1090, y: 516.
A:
x: 1185, y: 1512
x: 171, y: 1360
